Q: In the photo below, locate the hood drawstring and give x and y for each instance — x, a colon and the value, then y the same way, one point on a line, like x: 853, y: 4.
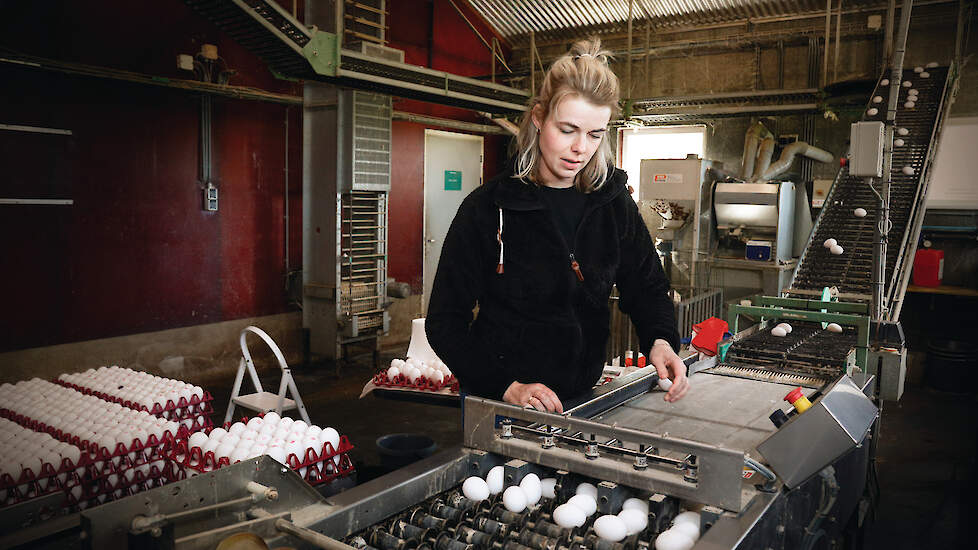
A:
x: 499, y: 237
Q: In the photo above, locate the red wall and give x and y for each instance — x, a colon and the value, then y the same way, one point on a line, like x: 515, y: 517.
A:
x: 434, y: 35
x: 136, y: 252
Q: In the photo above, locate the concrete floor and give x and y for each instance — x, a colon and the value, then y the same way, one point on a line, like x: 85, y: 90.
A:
x: 926, y: 459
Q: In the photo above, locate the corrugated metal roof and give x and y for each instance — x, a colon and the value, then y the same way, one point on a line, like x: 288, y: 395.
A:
x: 513, y: 18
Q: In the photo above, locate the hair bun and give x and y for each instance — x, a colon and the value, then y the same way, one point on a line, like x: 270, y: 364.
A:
x: 590, y: 48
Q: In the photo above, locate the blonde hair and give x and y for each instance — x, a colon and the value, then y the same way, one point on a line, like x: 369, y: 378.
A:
x: 582, y: 72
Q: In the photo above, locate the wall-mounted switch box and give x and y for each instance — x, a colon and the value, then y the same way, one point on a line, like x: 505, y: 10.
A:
x: 210, y: 198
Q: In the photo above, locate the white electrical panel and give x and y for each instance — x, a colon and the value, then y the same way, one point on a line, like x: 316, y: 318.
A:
x: 866, y: 149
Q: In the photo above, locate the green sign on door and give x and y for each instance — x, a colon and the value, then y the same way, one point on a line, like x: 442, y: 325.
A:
x: 453, y: 180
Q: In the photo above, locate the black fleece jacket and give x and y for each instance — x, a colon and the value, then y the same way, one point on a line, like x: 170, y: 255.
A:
x: 538, y: 321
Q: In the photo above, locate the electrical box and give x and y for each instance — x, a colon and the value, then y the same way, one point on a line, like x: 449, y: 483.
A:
x: 210, y: 198
x: 866, y: 149
x: 185, y: 62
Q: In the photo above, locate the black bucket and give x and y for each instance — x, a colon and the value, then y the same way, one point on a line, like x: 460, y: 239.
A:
x: 952, y: 366
x: 399, y: 450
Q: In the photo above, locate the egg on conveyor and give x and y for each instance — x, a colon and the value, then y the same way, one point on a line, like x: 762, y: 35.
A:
x: 931, y: 65
x: 494, y: 479
x: 568, y: 515
x: 787, y: 328
x: 885, y: 82
x: 611, y: 528
x: 548, y: 487
x: 829, y: 243
x: 689, y: 529
x: 925, y: 74
x: 877, y: 99
x: 908, y: 170
x: 903, y: 131
x: 909, y: 104
x: 635, y: 504
x: 635, y: 520
x: 918, y: 69
x: 587, y: 504
x: 532, y: 487
x: 587, y: 489
x: 898, y: 142
x: 687, y: 517
x: 834, y: 327
x: 859, y: 212
x: 514, y: 499
x: 779, y: 332
x: 671, y: 539
x: 475, y: 488
x: 907, y: 84
x: 837, y: 250
x: 912, y: 91
x: 873, y: 111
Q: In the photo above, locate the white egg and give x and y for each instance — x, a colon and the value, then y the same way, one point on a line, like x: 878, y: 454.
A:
x: 567, y: 516
x: 787, y: 328
x: 210, y: 445
x: 475, y: 488
x: 224, y: 450
x: 903, y: 131
x: 313, y: 431
x: 912, y: 92
x: 636, y: 504
x: 494, y: 479
x: 584, y: 502
x: 331, y: 436
x: 197, y: 440
x: 413, y: 374
x: 687, y: 517
x: 918, y: 69
x: 514, y: 499
x: 931, y: 65
x: 837, y: 250
x: 238, y: 455
x: 218, y: 434
x: 299, y: 426
x: 548, y: 487
x: 236, y: 428
x: 587, y: 489
x: 635, y: 520
x: 878, y: 99
x: 393, y: 372
x: 271, y: 417
x: 268, y: 428
x: 779, y: 332
x: 859, y: 212
x: 909, y: 104
x: 665, y: 384
x: 687, y: 528
x: 673, y: 540
x: 532, y: 487
x: 276, y: 453
x: 907, y: 84
x: 872, y: 111
x: 610, y: 528
x: 255, y: 423
x: 231, y: 439
x: 898, y: 142
x: 286, y: 422
x: 925, y: 74
x: 436, y: 377
x: 834, y: 327
x: 829, y: 243
x: 908, y: 170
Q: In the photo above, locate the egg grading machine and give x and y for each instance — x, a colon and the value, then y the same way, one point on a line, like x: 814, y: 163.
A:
x: 700, y: 453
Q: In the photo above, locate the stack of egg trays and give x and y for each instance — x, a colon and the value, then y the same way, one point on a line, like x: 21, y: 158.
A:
x: 315, y: 468
x: 195, y: 414
x: 422, y: 383
x: 52, y: 478
x: 109, y: 474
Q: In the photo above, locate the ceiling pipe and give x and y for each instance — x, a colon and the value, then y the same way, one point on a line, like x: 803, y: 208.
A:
x: 788, y: 156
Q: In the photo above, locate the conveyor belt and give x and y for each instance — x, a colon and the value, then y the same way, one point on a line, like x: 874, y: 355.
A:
x: 808, y: 351
x: 272, y: 34
x: 851, y: 272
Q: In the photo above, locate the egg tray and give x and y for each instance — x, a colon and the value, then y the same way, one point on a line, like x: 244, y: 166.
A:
x: 149, y: 450
x: 28, y: 485
x: 181, y: 410
x: 400, y: 381
x: 128, y: 481
x: 195, y: 461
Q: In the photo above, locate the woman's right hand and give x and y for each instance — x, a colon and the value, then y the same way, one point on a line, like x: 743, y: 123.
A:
x: 535, y: 395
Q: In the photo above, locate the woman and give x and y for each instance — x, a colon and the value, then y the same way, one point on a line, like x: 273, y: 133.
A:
x: 539, y: 248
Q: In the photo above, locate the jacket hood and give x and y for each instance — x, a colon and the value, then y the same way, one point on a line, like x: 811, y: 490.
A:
x: 513, y: 194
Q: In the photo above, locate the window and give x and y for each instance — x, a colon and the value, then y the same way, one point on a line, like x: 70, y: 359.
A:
x: 664, y: 142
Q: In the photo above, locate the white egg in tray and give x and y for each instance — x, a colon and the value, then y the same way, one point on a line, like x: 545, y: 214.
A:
x: 164, y: 397
x: 315, y: 453
x: 34, y: 463
x: 114, y: 437
x: 415, y: 373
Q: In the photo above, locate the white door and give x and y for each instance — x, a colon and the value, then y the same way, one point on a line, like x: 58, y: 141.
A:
x: 452, y: 170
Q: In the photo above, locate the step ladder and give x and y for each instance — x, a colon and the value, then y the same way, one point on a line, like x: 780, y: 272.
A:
x: 263, y: 401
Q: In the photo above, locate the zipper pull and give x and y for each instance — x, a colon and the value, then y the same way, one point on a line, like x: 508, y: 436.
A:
x: 577, y: 268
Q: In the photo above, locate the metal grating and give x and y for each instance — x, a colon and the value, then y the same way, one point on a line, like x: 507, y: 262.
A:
x: 513, y: 18
x: 371, y: 141
x: 809, y: 350
x: 363, y: 266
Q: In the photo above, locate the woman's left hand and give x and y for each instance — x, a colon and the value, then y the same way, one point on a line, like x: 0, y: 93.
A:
x: 671, y: 367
